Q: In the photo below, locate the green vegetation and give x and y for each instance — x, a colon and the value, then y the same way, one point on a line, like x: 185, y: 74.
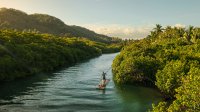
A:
x: 27, y: 53
x: 168, y: 59
x: 43, y: 23
x: 35, y: 43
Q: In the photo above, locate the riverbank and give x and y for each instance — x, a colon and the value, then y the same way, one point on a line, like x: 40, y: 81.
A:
x: 28, y: 53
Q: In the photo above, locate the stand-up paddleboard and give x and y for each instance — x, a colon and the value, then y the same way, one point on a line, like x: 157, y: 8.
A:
x: 100, y: 86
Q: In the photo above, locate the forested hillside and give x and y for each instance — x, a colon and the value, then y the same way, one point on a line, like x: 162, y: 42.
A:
x: 168, y: 59
x: 43, y: 23
x: 27, y: 53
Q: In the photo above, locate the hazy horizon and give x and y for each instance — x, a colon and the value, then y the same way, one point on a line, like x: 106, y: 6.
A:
x: 124, y: 19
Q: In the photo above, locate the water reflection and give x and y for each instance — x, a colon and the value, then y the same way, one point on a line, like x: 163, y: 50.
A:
x: 137, y: 98
x: 19, y: 87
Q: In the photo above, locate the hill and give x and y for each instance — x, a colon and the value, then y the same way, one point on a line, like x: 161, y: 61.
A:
x: 43, y: 23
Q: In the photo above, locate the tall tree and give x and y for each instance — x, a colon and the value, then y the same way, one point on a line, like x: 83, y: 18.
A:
x: 158, y: 28
x: 189, y: 32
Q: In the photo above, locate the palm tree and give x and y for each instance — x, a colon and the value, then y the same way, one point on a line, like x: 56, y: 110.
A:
x: 181, y: 31
x: 189, y: 33
x: 156, y: 31
x: 168, y: 28
x: 158, y: 28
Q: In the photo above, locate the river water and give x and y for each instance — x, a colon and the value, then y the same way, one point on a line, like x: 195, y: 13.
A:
x: 73, y: 89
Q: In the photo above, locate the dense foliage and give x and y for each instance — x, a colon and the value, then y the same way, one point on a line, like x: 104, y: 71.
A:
x: 168, y: 59
x: 15, y: 19
x: 26, y: 53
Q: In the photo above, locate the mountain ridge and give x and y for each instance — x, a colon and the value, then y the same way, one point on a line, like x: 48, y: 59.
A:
x: 44, y: 23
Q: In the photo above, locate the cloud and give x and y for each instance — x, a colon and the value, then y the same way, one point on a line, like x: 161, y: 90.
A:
x: 122, y: 31
x: 125, y: 31
x: 180, y: 25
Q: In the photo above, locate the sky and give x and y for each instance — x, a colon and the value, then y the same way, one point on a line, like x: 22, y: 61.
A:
x: 119, y: 18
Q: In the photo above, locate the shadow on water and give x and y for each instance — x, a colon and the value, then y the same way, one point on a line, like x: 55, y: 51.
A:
x: 9, y: 90
x: 137, y: 98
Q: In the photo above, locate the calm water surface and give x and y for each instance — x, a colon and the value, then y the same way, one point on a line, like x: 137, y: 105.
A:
x: 73, y: 89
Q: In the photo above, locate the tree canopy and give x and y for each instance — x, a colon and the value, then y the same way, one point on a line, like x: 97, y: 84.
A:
x: 167, y: 59
x: 27, y: 53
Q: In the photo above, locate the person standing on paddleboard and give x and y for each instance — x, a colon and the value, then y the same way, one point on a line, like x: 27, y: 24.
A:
x: 103, y: 82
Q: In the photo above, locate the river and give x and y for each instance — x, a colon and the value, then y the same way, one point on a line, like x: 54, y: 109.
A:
x: 73, y: 89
